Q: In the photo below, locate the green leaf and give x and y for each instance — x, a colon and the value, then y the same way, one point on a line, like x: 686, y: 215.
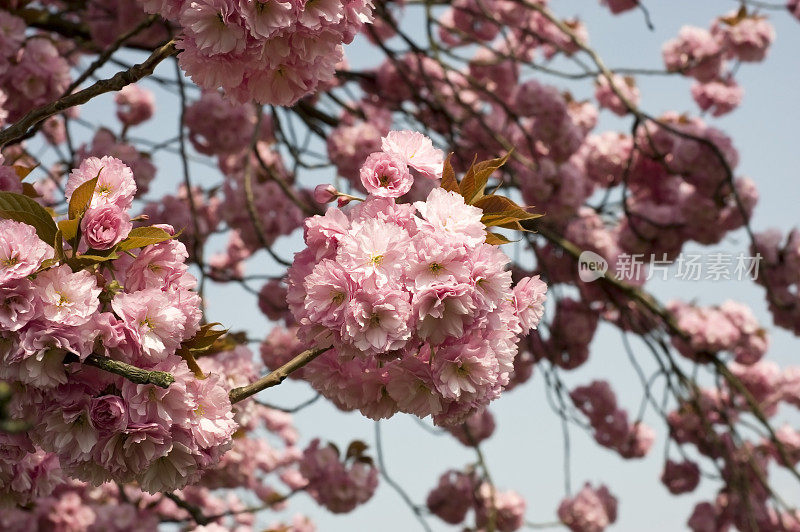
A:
x: 58, y: 245
x: 89, y: 259
x: 69, y: 228
x: 140, y: 237
x: 23, y: 209
x: 82, y: 197
x: 48, y: 263
x: 449, y: 182
x: 474, y: 182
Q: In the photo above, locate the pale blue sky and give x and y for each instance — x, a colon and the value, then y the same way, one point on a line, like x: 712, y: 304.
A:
x: 526, y: 452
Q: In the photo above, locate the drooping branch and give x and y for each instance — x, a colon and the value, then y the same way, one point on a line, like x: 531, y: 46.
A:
x: 114, y: 83
x: 276, y: 377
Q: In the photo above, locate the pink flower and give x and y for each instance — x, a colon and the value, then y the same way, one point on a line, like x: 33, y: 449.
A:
x: 590, y: 510
x: 215, y: 26
x: 134, y: 105
x: 479, y: 426
x: 211, y: 419
x: 452, y: 498
x: 694, y: 53
x: 377, y: 319
x: 105, y: 226
x: 265, y: 18
x: 416, y: 150
x: 794, y: 8
x: 508, y: 507
x: 386, y: 175
x: 67, y: 298
x: 463, y: 369
x: 720, y: 96
x: 529, y: 296
x: 411, y: 386
x: 115, y: 183
x: 619, y: 6
x: 437, y: 260
x: 446, y: 211
x: 746, y: 39
x: 337, y: 486
x: 153, y: 321
x: 325, y: 193
x: 443, y: 310
x: 161, y: 266
x: 108, y: 413
x: 18, y: 305
x: 329, y: 289
x: 680, y: 477
x: 377, y: 250
x: 21, y: 250
x: 608, y: 98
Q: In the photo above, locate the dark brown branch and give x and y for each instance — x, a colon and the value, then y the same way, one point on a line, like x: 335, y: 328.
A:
x: 115, y: 83
x: 276, y: 377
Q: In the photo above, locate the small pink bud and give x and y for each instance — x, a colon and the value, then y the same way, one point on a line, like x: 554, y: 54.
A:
x: 344, y: 200
x: 325, y: 193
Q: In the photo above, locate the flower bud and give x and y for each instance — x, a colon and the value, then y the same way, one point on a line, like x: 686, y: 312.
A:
x: 325, y: 193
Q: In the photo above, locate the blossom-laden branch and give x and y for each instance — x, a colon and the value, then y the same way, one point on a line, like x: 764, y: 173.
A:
x: 162, y: 379
x: 119, y: 80
x: 276, y: 377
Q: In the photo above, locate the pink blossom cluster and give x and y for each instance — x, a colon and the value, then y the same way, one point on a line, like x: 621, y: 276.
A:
x: 457, y: 492
x: 479, y: 426
x: 274, y: 217
x: 354, y: 139
x: 705, y: 422
x: 780, y: 274
x: 472, y: 21
x: 176, y: 210
x: 136, y: 309
x: 794, y: 8
x: 273, y: 52
x: 590, y: 510
x: 687, y: 197
x: 571, y: 331
x: 607, y: 93
x: 33, y: 70
x: 77, y: 506
x: 620, y: 6
x: 610, y: 423
x: 336, y: 485
x: 105, y: 143
x: 108, y: 20
x: 680, y: 477
x: 265, y: 467
x: 702, y: 54
x: 729, y: 327
x: 134, y: 105
x: 219, y: 126
x: 418, y: 308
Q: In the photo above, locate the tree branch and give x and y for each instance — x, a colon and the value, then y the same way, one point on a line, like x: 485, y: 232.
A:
x: 115, y: 83
x: 162, y: 379
x: 276, y: 377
